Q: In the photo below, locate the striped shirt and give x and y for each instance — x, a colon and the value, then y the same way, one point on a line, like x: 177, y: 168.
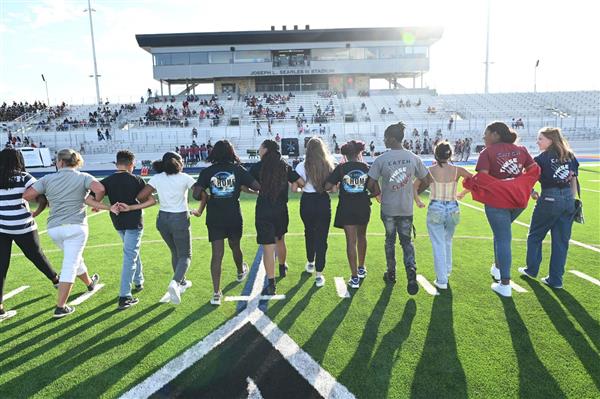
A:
x: 15, y: 217
x: 444, y: 191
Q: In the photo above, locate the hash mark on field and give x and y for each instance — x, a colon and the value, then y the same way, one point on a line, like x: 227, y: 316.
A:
x: 431, y: 290
x: 589, y: 189
x: 86, y: 296
x: 341, y: 288
x: 248, y: 297
x: 517, y: 287
x: 580, y: 244
x: 15, y: 292
x: 585, y: 277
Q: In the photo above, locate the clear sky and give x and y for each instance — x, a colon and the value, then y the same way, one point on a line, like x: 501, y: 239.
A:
x: 53, y: 37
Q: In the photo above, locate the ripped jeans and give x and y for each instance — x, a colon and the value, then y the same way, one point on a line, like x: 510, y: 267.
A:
x: 403, y: 227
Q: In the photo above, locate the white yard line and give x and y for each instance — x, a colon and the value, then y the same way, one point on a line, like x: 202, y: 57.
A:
x: 579, y: 244
x: 586, y: 277
x: 86, y: 296
x: 589, y: 189
x: 253, y: 391
x: 517, y: 287
x: 15, y: 292
x: 431, y: 290
x: 241, y: 298
x: 341, y: 287
x: 319, y: 378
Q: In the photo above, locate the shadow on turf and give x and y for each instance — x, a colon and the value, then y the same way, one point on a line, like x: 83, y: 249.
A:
x: 535, y: 381
x: 279, y: 305
x: 586, y: 354
x: 363, y: 360
x: 439, y: 369
x: 19, y: 320
x: 587, y: 322
x: 30, y: 381
x: 116, y: 372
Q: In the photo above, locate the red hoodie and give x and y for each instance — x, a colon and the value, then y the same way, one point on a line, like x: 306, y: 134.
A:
x: 507, y: 193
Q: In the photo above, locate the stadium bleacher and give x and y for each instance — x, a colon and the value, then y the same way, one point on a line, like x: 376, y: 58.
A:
x: 353, y: 117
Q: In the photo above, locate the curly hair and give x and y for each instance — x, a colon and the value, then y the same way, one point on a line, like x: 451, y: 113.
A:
x: 352, y: 149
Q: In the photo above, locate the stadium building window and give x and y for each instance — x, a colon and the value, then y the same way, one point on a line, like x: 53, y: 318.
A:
x: 330, y: 54
x: 198, y: 58
x: 415, y: 51
x: 252, y: 56
x: 357, y: 53
x: 180, y: 58
x: 388, y: 52
x: 220, y: 57
x: 162, y: 59
x: 371, y: 53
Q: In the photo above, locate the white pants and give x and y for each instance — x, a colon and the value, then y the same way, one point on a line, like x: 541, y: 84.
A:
x: 71, y: 239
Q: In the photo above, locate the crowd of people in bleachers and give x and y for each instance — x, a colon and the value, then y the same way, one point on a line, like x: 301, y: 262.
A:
x: 408, y: 103
x: 15, y: 110
x: 332, y: 93
x: 194, y: 153
x: 15, y: 141
x: 462, y: 149
x: 517, y: 124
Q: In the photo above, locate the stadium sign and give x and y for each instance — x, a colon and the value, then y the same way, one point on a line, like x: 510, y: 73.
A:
x: 293, y: 72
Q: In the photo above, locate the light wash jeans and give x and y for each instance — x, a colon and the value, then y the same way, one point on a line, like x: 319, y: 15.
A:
x: 71, y: 238
x: 132, y: 261
x: 442, y: 218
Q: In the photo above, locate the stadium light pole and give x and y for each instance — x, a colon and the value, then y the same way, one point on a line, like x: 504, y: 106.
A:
x: 89, y: 11
x: 47, y: 96
x: 537, y: 63
x: 487, y: 49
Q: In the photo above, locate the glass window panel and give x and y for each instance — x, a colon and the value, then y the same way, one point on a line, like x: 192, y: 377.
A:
x: 330, y: 54
x: 163, y: 59
x: 253, y: 56
x: 371, y: 53
x: 180, y: 58
x: 198, y: 58
x: 357, y: 53
x: 220, y: 57
x: 388, y: 52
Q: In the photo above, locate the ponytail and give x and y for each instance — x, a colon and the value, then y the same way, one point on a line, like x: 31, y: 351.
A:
x: 507, y: 135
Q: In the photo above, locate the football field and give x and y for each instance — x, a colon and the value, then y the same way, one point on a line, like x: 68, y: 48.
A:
x: 373, y: 342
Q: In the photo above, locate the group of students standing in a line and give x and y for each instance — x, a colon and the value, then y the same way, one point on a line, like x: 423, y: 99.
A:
x: 506, y: 176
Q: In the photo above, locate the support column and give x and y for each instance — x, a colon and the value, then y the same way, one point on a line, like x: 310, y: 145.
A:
x: 161, y: 88
x: 414, y: 83
x: 169, y: 87
x: 421, y: 80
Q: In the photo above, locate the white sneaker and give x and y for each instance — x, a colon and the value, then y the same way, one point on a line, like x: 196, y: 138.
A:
x: 174, y: 292
x: 7, y: 314
x: 242, y: 276
x: 320, y: 281
x: 504, y: 290
x: 440, y: 286
x: 165, y: 298
x: 495, y: 272
x: 216, y: 298
x: 183, y: 287
x: 523, y: 271
x: 545, y: 281
x: 310, y: 267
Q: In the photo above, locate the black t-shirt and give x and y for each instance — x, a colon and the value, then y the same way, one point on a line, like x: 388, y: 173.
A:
x: 224, y: 181
x: 124, y: 187
x: 352, y: 177
x: 554, y: 172
x: 282, y: 198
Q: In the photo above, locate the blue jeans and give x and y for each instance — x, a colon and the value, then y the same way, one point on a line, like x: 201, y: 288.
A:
x: 402, y: 226
x: 442, y: 218
x: 500, y: 220
x: 553, y: 212
x: 132, y: 262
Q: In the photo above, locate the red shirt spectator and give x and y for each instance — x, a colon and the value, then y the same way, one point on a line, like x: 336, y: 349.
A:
x: 503, y: 160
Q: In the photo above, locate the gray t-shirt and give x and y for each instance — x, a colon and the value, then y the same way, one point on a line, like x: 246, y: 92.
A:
x: 66, y: 191
x: 395, y: 170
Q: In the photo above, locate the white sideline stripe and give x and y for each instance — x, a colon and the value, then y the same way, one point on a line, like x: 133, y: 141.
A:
x: 176, y: 366
x: 341, y: 288
x: 589, y: 189
x: 253, y: 391
x: 15, y: 292
x: 595, y: 181
x: 89, y: 216
x: 517, y: 287
x: 580, y: 244
x: 87, y: 295
x: 8, y: 315
x: 586, y: 277
x: 321, y: 380
x: 431, y: 290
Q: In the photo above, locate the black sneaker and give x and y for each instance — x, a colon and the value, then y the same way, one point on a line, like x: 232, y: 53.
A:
x: 283, y: 271
x: 269, y: 290
x: 95, y: 278
x: 62, y: 312
x: 411, y: 276
x: 127, y: 302
x: 389, y: 277
x: 138, y: 287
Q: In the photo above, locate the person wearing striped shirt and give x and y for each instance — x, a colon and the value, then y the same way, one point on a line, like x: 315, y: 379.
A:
x: 16, y: 221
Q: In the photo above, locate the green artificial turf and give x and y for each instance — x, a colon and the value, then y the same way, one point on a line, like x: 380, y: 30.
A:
x: 466, y: 342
